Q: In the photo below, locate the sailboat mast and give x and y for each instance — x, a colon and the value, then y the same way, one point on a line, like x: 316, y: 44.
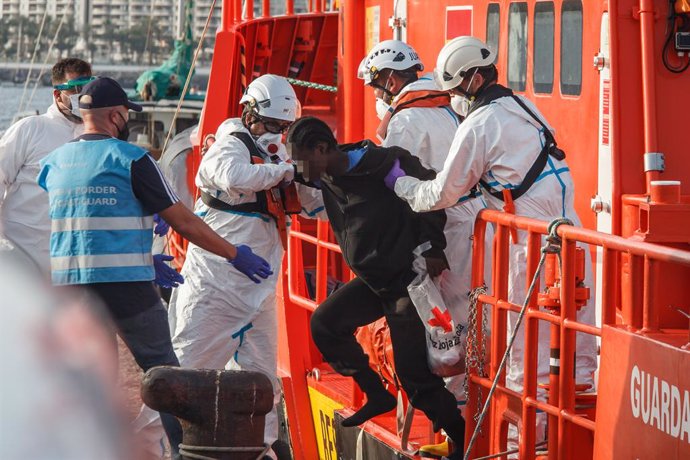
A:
x: 181, y: 16
x: 19, y: 41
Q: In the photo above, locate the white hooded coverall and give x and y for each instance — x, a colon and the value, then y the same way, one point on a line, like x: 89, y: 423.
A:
x: 173, y: 164
x: 218, y: 317
x: 428, y: 133
x: 23, y: 204
x: 499, y: 143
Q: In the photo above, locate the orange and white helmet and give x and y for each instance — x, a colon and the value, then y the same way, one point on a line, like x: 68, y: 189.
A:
x: 272, y: 96
x: 389, y: 54
x: 459, y: 56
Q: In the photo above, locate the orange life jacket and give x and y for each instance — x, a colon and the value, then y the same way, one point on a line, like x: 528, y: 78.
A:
x: 281, y: 201
x: 410, y: 99
x: 277, y: 202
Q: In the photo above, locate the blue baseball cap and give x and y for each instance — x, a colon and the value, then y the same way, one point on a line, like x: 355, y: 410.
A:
x: 105, y: 92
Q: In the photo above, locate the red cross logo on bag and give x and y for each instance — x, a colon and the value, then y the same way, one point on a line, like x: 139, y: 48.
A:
x: 441, y: 319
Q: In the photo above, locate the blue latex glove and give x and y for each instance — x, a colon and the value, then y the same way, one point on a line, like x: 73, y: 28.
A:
x: 394, y: 174
x: 250, y: 264
x: 162, y: 227
x: 166, y: 276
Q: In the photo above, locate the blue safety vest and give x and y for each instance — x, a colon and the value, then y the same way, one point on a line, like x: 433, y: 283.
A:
x: 100, y: 231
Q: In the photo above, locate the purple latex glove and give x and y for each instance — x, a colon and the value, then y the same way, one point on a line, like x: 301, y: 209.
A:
x: 162, y: 227
x: 250, y: 264
x: 166, y: 276
x: 394, y: 174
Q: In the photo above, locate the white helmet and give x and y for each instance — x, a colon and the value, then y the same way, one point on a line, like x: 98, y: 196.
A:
x: 457, y: 57
x: 272, y: 96
x: 389, y: 54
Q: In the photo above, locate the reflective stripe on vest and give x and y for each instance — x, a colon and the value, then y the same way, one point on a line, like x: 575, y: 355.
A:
x: 101, y: 223
x: 100, y: 231
x: 100, y: 261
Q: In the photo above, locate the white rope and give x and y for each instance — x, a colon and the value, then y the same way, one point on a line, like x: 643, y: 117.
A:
x: 33, y: 57
x: 189, y: 75
x: 552, y: 241
x: 50, y: 49
x: 188, y: 451
x: 148, y: 31
x: 508, y: 452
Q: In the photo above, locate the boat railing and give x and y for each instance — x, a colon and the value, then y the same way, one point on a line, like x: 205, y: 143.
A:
x: 630, y: 292
x: 311, y: 249
x: 626, y: 266
x: 299, y: 46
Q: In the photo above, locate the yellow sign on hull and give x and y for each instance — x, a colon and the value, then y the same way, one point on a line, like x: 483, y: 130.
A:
x: 323, y: 413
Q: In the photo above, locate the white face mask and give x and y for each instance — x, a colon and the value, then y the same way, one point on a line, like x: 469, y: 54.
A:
x: 460, y: 104
x: 74, y: 102
x: 381, y: 108
x: 272, y: 144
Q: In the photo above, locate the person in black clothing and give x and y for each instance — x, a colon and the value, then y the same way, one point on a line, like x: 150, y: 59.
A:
x: 377, y: 233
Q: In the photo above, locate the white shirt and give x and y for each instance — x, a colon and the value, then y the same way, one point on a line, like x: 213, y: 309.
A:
x: 23, y: 204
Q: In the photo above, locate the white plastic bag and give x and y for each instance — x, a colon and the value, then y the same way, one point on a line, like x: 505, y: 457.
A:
x: 446, y: 336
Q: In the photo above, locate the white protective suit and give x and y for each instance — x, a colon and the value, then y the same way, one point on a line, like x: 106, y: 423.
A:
x: 428, y: 134
x: 499, y: 143
x: 218, y: 315
x: 23, y: 204
x: 173, y: 164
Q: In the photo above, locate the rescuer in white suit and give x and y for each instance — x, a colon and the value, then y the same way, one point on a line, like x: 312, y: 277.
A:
x: 23, y: 204
x: 416, y: 115
x: 218, y: 319
x: 498, y: 143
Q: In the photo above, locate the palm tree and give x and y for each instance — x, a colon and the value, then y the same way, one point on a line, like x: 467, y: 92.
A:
x: 7, y: 48
x: 67, y: 37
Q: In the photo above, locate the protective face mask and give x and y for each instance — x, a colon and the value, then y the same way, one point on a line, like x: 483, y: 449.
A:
x: 460, y: 104
x: 381, y: 108
x: 74, y: 103
x: 271, y: 143
x: 123, y: 133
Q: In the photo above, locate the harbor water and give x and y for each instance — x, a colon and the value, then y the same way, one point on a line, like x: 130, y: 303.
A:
x: 11, y: 98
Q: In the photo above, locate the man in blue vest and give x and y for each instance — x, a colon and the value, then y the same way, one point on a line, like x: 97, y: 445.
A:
x: 103, y: 193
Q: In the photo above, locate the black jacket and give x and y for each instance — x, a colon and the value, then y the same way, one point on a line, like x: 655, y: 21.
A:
x: 376, y: 230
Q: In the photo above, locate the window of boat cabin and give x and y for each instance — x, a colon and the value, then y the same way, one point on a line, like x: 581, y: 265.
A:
x: 571, y: 47
x: 517, y: 46
x: 493, y: 26
x: 542, y: 77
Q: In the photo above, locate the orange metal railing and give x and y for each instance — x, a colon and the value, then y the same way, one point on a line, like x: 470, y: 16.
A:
x: 570, y: 424
x: 310, y: 246
x: 325, y: 248
x: 567, y: 425
x: 246, y: 47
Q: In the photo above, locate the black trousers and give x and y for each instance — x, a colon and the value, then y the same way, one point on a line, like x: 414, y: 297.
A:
x: 335, y: 321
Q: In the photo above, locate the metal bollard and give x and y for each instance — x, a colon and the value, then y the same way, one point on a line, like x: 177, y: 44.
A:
x: 221, y: 412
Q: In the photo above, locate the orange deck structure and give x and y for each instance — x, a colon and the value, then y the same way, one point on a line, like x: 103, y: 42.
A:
x: 595, y: 70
